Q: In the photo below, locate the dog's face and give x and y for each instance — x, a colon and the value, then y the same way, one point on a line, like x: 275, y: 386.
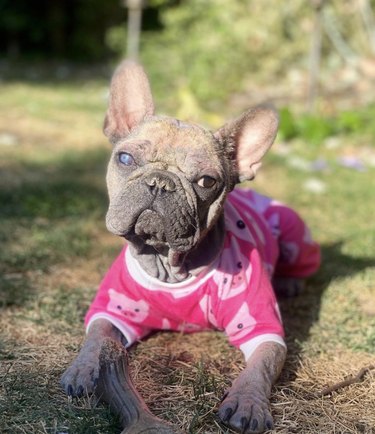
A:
x: 167, y: 180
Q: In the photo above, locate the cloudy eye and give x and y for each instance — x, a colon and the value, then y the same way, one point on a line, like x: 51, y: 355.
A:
x: 206, y: 182
x: 125, y: 158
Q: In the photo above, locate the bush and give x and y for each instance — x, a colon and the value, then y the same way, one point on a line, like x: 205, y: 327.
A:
x: 315, y: 128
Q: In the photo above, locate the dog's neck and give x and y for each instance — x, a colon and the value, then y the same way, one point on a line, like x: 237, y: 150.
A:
x: 170, y: 267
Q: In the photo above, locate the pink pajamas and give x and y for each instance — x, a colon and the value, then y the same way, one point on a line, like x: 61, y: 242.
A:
x: 234, y: 294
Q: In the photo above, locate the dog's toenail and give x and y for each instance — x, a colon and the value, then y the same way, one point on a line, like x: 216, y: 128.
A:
x: 254, y: 424
x: 70, y: 390
x: 228, y: 414
x: 244, y: 424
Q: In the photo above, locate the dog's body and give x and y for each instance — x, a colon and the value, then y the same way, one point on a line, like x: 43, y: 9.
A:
x: 168, y: 182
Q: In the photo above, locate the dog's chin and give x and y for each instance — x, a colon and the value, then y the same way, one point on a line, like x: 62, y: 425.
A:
x: 162, y: 246
x: 175, y: 254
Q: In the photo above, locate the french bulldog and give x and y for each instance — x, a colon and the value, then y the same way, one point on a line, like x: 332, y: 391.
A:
x: 201, y: 254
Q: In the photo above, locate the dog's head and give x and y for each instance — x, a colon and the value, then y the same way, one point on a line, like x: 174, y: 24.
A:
x: 167, y: 179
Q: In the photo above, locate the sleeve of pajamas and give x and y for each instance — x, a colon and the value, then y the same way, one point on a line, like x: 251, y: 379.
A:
x: 252, y: 317
x: 112, y: 304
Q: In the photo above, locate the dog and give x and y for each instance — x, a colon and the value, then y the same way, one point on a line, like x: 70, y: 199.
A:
x: 200, y: 254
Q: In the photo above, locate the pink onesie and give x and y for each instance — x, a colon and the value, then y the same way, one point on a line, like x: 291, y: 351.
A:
x: 263, y: 238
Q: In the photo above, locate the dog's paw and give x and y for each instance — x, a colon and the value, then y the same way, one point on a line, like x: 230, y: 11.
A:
x: 288, y: 286
x: 246, y: 413
x: 82, y: 375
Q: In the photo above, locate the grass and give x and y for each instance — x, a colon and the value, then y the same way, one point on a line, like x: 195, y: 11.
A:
x: 55, y: 248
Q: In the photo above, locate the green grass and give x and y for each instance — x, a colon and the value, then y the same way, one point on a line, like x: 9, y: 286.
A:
x: 55, y: 248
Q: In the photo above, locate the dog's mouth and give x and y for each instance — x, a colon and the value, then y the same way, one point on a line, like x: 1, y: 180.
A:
x: 162, y: 232
x: 150, y: 228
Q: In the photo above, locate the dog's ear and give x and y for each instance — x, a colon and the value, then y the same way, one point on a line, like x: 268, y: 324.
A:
x: 130, y: 100
x: 248, y: 138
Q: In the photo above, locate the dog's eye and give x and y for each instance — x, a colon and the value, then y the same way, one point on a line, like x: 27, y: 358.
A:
x: 125, y: 158
x: 206, y: 181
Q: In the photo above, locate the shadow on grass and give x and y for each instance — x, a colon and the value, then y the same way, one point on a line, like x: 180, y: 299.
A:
x: 30, y: 402
x: 302, y: 312
x: 45, y: 217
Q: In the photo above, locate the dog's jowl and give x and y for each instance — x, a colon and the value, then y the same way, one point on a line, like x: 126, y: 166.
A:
x: 200, y: 253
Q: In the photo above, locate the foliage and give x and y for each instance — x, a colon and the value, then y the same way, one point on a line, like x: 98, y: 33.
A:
x: 209, y: 49
x: 214, y: 46
x: 316, y: 128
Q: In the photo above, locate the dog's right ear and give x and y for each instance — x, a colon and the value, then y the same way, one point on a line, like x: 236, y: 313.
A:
x: 130, y: 100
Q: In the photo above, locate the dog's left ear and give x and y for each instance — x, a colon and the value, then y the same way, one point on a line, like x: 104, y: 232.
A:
x: 248, y: 138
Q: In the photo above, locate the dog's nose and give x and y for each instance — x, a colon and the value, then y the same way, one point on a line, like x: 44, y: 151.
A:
x: 160, y: 182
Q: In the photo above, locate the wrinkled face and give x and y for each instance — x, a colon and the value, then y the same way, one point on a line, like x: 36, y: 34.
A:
x: 167, y: 182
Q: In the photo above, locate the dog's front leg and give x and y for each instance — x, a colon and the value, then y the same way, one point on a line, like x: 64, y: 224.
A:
x: 82, y: 375
x: 246, y: 405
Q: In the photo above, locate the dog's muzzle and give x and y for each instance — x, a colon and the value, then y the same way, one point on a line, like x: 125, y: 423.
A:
x: 167, y: 219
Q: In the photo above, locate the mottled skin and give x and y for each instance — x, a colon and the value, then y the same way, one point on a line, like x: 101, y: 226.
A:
x: 168, y: 204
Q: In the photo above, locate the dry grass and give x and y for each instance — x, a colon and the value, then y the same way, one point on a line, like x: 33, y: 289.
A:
x: 55, y: 249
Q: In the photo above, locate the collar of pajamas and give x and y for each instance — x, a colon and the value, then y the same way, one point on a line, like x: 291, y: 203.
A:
x: 263, y: 237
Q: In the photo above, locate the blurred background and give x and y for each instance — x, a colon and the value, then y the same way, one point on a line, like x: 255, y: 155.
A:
x: 309, y: 55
